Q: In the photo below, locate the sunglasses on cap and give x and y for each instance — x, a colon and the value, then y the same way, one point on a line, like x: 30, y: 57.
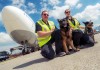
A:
x: 45, y: 14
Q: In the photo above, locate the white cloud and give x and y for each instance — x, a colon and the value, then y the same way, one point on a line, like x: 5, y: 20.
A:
x: 58, y: 12
x: 28, y: 8
x: 53, y: 2
x: 18, y: 3
x: 91, y: 12
x: 5, y: 38
x: 44, y: 4
x: 6, y: 42
x: 31, y: 5
x: 71, y: 2
x: 79, y: 6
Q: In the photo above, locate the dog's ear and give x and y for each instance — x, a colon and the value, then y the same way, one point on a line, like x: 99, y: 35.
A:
x: 91, y: 22
x: 58, y: 20
x: 84, y: 22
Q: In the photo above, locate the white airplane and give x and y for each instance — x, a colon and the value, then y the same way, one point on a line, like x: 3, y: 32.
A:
x: 19, y: 25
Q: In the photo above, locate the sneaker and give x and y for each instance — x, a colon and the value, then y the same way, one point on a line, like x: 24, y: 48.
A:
x: 67, y: 53
x: 61, y: 54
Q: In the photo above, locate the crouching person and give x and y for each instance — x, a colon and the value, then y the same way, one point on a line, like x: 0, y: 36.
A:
x: 47, y: 35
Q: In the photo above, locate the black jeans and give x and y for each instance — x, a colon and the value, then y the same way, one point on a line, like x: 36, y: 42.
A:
x: 76, y: 35
x: 86, y: 40
x: 47, y: 50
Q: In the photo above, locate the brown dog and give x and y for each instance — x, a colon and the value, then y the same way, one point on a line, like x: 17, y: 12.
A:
x: 66, y: 34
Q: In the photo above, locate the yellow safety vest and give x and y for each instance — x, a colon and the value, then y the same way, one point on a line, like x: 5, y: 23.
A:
x: 44, y: 40
x: 76, y: 26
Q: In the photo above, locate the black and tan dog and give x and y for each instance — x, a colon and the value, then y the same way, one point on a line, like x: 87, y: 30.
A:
x: 66, y: 34
x: 89, y: 29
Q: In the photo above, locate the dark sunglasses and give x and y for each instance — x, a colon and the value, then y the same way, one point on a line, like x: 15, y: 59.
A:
x: 67, y: 12
x: 45, y: 14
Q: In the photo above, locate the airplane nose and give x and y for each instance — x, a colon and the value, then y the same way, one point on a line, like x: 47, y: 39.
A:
x: 18, y: 24
x: 5, y: 9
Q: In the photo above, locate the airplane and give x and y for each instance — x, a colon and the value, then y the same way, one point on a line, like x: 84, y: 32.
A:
x: 19, y: 26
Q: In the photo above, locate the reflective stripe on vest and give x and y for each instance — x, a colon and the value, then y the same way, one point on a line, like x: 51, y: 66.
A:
x: 44, y: 40
x: 76, y: 26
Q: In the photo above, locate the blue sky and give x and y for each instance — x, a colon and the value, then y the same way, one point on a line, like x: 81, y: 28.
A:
x: 83, y: 10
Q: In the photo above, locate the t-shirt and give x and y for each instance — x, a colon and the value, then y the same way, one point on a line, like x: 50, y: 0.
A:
x: 38, y: 27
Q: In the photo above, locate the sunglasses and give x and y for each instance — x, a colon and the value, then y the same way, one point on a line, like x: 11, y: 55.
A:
x: 46, y: 14
x: 67, y: 12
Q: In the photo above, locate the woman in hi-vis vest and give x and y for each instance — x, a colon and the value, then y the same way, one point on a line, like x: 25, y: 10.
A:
x: 75, y: 27
x: 47, y: 35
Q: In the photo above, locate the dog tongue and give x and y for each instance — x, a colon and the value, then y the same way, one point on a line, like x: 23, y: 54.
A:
x: 65, y: 25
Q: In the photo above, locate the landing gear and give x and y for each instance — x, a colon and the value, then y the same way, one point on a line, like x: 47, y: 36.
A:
x: 26, y: 48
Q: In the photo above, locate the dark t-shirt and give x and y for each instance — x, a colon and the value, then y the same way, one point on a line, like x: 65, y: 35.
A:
x: 38, y: 27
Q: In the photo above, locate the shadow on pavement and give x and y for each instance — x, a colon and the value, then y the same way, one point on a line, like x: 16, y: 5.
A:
x: 30, y: 63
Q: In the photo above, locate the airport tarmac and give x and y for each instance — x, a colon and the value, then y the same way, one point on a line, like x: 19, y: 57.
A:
x: 85, y: 59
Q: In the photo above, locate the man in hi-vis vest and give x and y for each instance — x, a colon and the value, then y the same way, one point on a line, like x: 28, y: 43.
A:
x: 75, y: 27
x: 47, y: 35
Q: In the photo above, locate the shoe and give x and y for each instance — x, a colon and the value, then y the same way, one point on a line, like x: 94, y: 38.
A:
x: 67, y: 53
x: 61, y: 54
x: 75, y: 50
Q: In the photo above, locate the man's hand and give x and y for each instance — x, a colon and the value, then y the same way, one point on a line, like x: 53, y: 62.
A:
x: 53, y: 28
